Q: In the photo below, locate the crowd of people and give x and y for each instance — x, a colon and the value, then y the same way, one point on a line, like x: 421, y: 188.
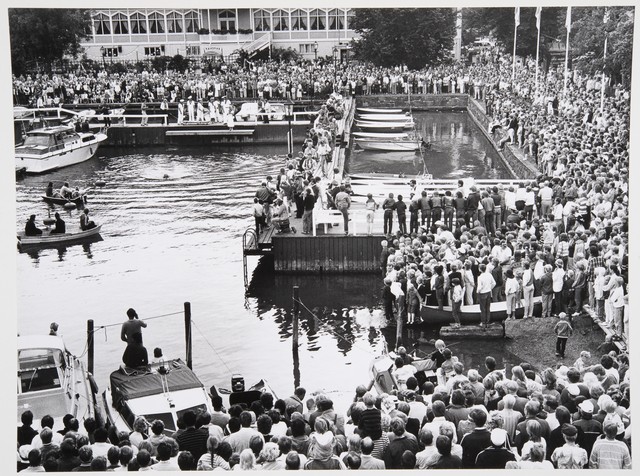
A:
x: 567, y: 418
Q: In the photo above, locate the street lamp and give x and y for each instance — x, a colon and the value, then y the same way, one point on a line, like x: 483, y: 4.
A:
x: 315, y: 50
x: 103, y: 53
x: 288, y: 115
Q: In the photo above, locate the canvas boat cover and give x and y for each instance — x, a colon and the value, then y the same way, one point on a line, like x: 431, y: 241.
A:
x: 127, y: 384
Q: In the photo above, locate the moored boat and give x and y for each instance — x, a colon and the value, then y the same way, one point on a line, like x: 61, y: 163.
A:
x: 386, y: 117
x: 380, y: 135
x: 55, y: 239
x: 54, y: 147
x: 53, y: 381
x: 388, y: 144
x: 374, y: 110
x: 373, y: 125
x: 470, y: 314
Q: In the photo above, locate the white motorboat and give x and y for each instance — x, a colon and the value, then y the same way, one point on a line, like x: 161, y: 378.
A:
x: 373, y: 110
x: 54, y: 147
x: 53, y: 381
x: 386, y: 117
x: 386, y: 126
x: 380, y: 135
x: 388, y: 144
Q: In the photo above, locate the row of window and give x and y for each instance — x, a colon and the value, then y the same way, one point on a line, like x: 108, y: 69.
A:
x: 282, y: 20
x: 140, y: 24
x: 174, y: 22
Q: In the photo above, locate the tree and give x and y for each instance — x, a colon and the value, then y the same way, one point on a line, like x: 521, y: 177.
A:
x: 500, y: 22
x: 45, y: 35
x: 588, y: 36
x: 415, y: 37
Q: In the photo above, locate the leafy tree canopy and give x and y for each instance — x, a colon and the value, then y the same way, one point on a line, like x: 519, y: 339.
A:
x: 416, y: 37
x: 46, y: 34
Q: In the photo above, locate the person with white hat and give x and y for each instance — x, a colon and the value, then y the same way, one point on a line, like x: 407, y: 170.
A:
x: 498, y: 454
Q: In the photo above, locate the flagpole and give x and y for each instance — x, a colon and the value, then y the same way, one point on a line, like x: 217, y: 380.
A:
x: 513, y: 66
x: 566, y: 56
x: 604, y: 60
x: 537, y: 57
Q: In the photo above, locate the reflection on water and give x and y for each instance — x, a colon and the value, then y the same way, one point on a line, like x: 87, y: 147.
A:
x: 172, y: 221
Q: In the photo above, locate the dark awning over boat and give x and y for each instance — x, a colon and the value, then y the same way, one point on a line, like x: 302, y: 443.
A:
x: 138, y: 384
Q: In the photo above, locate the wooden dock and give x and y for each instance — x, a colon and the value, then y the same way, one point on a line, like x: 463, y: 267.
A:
x: 495, y: 330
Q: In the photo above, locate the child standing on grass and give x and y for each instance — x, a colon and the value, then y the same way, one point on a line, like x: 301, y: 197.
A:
x: 563, y: 331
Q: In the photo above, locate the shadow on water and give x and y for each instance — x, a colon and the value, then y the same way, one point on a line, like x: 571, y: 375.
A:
x: 35, y: 251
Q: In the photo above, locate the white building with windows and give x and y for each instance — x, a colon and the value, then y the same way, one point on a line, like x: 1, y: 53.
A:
x: 140, y: 33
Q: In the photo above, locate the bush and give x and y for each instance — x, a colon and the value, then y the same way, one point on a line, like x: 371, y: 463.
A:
x: 178, y: 63
x: 203, y: 31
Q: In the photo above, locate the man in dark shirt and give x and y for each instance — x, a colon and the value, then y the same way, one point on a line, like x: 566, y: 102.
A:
x: 388, y: 206
x: 135, y: 355
x: 401, y: 210
x: 60, y: 225
x: 446, y: 460
x: 473, y: 199
x: 30, y: 229
x: 495, y: 456
x: 425, y: 209
x: 389, y: 299
x: 192, y: 439
x: 26, y: 432
x: 401, y: 442
x: 476, y: 441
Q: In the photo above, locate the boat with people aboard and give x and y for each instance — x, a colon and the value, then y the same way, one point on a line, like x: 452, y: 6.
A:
x: 470, y: 314
x: 405, y: 143
x: 79, y: 199
x: 51, y: 148
x: 55, y: 239
x: 52, y: 381
x: 251, y: 111
x: 373, y: 110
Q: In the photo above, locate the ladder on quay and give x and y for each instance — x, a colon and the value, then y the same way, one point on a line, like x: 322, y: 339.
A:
x: 256, y: 245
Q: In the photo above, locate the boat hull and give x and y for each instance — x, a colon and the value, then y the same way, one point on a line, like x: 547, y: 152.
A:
x: 82, y: 199
x: 385, y: 117
x: 372, y: 110
x: 48, y: 239
x: 74, y: 154
x: 387, y: 145
x: 431, y: 315
x: 380, y: 135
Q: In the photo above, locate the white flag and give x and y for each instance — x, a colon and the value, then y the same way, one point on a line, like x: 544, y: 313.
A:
x: 568, y: 22
x: 517, y: 16
x: 538, y: 16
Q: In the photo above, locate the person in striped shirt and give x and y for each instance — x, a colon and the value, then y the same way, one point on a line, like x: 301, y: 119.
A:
x: 609, y: 453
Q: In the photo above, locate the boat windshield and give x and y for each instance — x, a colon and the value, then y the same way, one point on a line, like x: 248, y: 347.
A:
x: 37, y: 140
x: 40, y: 369
x: 167, y: 418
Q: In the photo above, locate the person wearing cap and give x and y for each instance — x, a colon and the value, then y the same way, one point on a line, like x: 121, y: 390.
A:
x: 563, y: 331
x: 591, y: 427
x: 181, y: 112
x: 191, y: 109
x: 498, y: 454
x: 569, y: 455
x: 608, y: 452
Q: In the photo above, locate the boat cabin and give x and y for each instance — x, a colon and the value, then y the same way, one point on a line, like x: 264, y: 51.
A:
x: 51, y: 139
x: 165, y: 392
x: 250, y: 111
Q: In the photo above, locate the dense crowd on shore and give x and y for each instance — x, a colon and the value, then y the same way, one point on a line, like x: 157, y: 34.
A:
x: 562, y: 237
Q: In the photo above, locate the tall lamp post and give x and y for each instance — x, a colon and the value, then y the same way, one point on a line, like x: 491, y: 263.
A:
x: 103, y: 53
x: 313, y: 71
x: 288, y: 114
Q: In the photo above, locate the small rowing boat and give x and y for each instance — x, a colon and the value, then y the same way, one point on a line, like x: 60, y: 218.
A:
x: 54, y: 239
x: 79, y: 200
x: 373, y: 110
x: 380, y: 135
x: 470, y: 314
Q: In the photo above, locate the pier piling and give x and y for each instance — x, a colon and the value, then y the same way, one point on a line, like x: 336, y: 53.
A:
x: 90, y: 346
x: 187, y: 334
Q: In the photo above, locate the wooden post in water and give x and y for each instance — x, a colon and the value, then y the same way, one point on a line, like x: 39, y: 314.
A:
x: 90, y: 346
x: 294, y: 340
x: 187, y: 334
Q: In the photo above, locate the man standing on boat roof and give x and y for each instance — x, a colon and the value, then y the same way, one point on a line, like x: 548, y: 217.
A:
x: 131, y: 327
